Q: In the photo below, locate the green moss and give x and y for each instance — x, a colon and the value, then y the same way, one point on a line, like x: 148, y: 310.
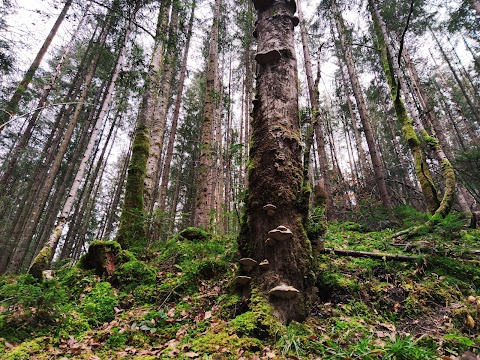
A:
x: 35, y: 348
x: 192, y: 233
x: 134, y: 273
x: 99, y: 304
x: 260, y: 321
x: 40, y: 263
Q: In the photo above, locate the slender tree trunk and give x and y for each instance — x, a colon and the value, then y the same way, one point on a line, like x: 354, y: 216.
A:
x: 364, y: 165
x: 43, y: 259
x: 316, y: 122
x: 22, y: 143
x: 176, y: 114
x: 378, y: 169
x: 205, y: 183
x: 12, y: 106
x: 37, y: 209
x: 472, y: 107
x: 275, y: 166
x: 160, y: 114
x: 437, y: 132
x: 150, y: 103
x: 431, y: 141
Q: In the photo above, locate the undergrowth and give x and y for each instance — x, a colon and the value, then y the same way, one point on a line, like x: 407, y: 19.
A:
x: 180, y: 301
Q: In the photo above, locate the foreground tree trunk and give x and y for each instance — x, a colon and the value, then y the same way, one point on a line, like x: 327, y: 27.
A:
x: 275, y: 168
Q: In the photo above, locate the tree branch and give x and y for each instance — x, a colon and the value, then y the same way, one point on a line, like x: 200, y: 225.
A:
x: 402, y: 39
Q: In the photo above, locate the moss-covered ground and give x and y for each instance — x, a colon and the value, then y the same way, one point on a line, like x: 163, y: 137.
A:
x: 179, y: 301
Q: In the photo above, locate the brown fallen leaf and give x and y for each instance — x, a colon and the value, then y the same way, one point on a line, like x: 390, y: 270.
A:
x: 191, y: 354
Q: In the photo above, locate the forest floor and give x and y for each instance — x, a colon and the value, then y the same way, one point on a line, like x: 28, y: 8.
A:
x: 181, y: 302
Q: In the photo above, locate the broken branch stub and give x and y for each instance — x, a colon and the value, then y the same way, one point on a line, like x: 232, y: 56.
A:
x: 266, y: 57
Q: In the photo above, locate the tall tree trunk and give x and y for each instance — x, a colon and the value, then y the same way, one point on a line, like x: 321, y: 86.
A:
x: 364, y: 165
x: 437, y: 132
x: 472, y: 107
x: 176, y: 114
x: 43, y: 259
x: 275, y: 167
x: 205, y: 183
x: 150, y: 105
x: 431, y: 141
x: 378, y: 169
x: 316, y: 119
x: 12, y: 106
x: 37, y: 209
x: 132, y: 233
x: 22, y: 143
x: 421, y: 167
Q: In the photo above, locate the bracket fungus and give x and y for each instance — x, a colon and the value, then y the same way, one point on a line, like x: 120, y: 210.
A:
x: 281, y: 233
x: 243, y: 280
x: 248, y: 264
x: 268, y: 56
x: 284, y: 291
x: 270, y: 209
x: 264, y: 264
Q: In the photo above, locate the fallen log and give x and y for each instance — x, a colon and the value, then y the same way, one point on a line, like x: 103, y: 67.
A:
x: 371, y: 255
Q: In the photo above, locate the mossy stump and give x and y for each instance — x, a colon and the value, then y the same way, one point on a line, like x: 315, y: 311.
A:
x: 102, y: 256
x: 192, y: 233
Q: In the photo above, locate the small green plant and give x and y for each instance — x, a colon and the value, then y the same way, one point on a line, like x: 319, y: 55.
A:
x: 145, y: 325
x: 291, y: 342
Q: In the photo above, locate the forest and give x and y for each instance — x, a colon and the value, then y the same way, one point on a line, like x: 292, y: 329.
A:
x: 250, y: 179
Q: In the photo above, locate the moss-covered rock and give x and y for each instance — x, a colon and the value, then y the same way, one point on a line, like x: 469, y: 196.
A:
x: 99, y: 304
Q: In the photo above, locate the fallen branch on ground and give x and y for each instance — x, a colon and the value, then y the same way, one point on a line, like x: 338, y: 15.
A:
x: 372, y: 255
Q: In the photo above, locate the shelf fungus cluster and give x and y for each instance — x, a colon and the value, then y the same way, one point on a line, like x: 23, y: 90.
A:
x: 281, y: 233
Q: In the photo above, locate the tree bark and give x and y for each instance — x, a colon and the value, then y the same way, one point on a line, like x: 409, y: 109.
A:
x: 204, y: 204
x: 275, y: 166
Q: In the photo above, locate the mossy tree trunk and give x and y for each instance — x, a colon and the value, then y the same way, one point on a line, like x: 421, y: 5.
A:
x: 275, y: 165
x: 204, y: 203
x: 421, y: 167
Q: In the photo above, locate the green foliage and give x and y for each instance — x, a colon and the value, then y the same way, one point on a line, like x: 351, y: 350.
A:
x: 99, y: 304
x: 132, y: 274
